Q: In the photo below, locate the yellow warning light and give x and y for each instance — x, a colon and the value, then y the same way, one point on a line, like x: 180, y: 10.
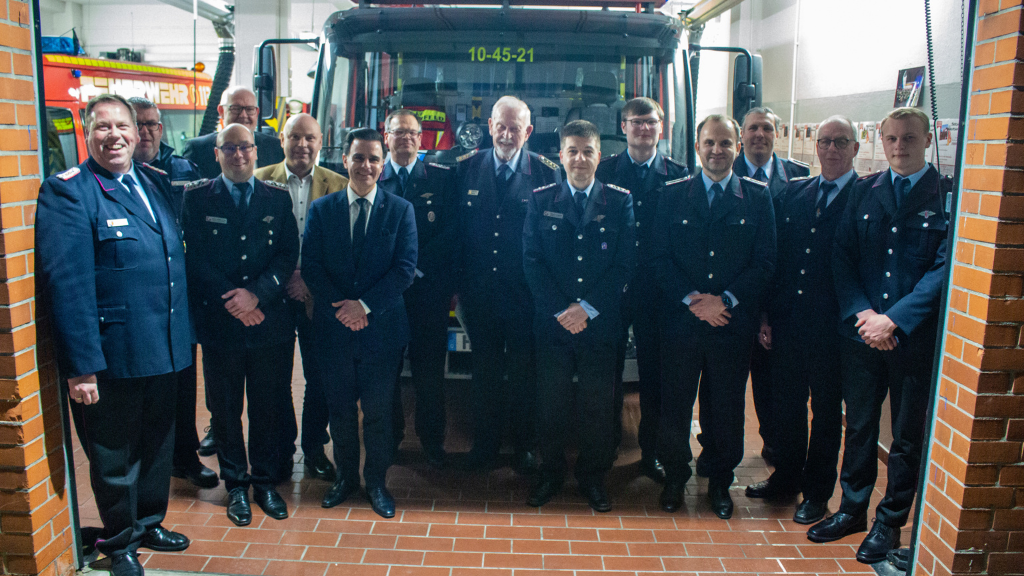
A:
x: 199, y: 67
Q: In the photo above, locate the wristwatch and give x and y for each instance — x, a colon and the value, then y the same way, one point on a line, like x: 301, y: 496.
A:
x: 727, y: 301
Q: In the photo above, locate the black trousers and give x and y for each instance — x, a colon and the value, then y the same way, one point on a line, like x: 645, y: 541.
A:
x: 129, y: 438
x: 502, y: 344
x: 807, y: 365
x: 593, y: 395
x: 868, y: 374
x: 350, y: 384
x: 186, y: 438
x: 260, y: 379
x: 315, y: 415
x: 640, y: 309
x: 761, y: 385
x: 427, y: 305
x: 716, y: 362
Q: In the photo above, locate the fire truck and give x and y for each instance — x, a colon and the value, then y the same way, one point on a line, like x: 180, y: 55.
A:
x: 70, y: 81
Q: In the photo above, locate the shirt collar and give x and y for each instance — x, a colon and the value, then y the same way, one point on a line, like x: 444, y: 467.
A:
x: 131, y: 172
x: 708, y: 182
x: 767, y: 167
x: 913, y: 177
x: 511, y: 163
x: 586, y: 191
x: 649, y: 162
x: 229, y: 184
x: 839, y: 182
x: 352, y: 196
x: 289, y: 174
x: 395, y: 166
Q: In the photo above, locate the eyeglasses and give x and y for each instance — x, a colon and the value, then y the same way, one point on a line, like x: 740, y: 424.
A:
x: 148, y: 125
x: 230, y: 149
x: 404, y: 133
x: 648, y: 123
x: 250, y: 110
x: 841, y: 143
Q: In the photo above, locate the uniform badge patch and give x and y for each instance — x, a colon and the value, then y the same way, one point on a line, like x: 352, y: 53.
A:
x: 117, y: 222
x: 926, y: 213
x: 197, y: 184
x: 216, y: 220
x: 546, y: 186
x: 604, y: 245
x: 599, y: 218
x: 467, y: 155
x: 473, y: 192
x: 427, y: 195
x: 69, y: 173
x: 548, y: 163
x: 550, y: 214
x: 275, y: 184
x: 431, y: 216
x: 676, y: 181
x: 268, y: 219
x: 619, y: 188
x: 154, y: 168
x: 441, y: 166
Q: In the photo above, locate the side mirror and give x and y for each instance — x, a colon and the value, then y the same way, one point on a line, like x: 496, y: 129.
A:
x: 746, y: 93
x: 265, y: 81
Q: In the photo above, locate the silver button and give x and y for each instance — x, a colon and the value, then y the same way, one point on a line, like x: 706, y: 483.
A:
x: 712, y: 253
x: 711, y: 275
x: 925, y: 225
x: 494, y: 269
x: 686, y: 222
x: 887, y: 275
x: 803, y: 271
x: 214, y: 232
x: 168, y: 258
x: 812, y: 230
x: 429, y: 201
x: 580, y: 237
x: 602, y: 229
x: 495, y: 233
x: 787, y: 219
x: 743, y: 220
x: 885, y: 296
x: 579, y: 299
x: 172, y: 284
x: 271, y: 232
x: 245, y: 277
x: 579, y: 279
x: 243, y: 236
x: 637, y: 242
x: 890, y: 250
x: 101, y: 318
x: 498, y: 216
x: 799, y: 291
x: 270, y: 241
x: 469, y: 203
x: 172, y: 310
x: 639, y: 203
x: 579, y: 258
x: 244, y: 257
x: 495, y: 251
x: 865, y: 216
x: 554, y: 227
x: 119, y: 234
x: 894, y: 229
x: 808, y: 250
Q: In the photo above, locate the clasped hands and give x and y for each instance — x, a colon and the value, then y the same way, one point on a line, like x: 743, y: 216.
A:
x: 574, y: 319
x: 876, y: 330
x: 242, y: 304
x: 351, y: 313
x: 710, y: 309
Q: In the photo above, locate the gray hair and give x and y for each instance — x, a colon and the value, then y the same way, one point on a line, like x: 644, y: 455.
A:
x: 105, y: 99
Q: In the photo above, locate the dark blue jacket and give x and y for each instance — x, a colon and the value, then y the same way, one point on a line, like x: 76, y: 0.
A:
x: 179, y: 171
x: 384, y: 271
x: 569, y: 257
x: 890, y: 260
x: 782, y: 171
x: 491, y: 235
x: 113, y: 280
x: 226, y: 252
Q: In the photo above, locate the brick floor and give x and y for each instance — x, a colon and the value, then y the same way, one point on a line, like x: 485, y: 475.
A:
x: 453, y: 524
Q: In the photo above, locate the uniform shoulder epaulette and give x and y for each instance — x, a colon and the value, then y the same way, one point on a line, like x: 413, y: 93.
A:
x: 275, y: 184
x: 799, y: 163
x: 872, y: 175
x: 801, y: 178
x: 545, y: 187
x: 619, y: 188
x: 441, y: 166
x: 467, y: 155
x: 752, y: 181
x: 69, y: 173
x: 548, y: 163
x: 153, y: 168
x: 676, y: 181
x: 193, y: 185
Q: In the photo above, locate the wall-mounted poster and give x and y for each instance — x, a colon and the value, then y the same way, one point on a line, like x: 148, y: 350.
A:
x: 909, y: 84
x: 879, y: 162
x: 949, y: 130
x: 865, y: 156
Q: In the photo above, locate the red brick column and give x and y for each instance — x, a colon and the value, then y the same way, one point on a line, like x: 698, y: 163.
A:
x: 35, y: 533
x: 974, y: 501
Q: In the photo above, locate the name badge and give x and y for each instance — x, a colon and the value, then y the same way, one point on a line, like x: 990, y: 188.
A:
x: 117, y: 222
x: 216, y: 220
x: 473, y: 192
x: 553, y: 214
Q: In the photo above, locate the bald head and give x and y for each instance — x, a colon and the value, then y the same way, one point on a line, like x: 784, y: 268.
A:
x: 238, y: 106
x: 301, y: 140
x: 509, y: 126
x: 236, y: 152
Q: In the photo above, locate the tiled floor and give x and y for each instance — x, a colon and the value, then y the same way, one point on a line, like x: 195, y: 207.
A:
x: 453, y: 524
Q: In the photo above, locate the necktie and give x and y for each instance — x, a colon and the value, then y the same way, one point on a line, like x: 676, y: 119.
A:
x: 826, y: 189
x: 240, y: 192
x: 403, y: 177
x: 761, y: 176
x: 132, y: 187
x: 641, y: 171
x: 716, y: 190
x: 504, y: 172
x: 581, y: 202
x: 902, y: 187
x: 359, y: 230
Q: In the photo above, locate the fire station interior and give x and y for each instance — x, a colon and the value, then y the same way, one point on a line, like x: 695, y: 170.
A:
x: 817, y: 58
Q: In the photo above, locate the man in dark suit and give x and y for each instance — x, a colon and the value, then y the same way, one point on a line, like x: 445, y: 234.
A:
x: 238, y: 107
x: 243, y: 245
x: 358, y: 257
x: 430, y: 188
x: 759, y: 161
x: 643, y: 171
x: 714, y: 252
x: 111, y: 268
x: 800, y: 329
x: 495, y: 186
x: 176, y: 172
x: 890, y: 268
x: 302, y: 139
x: 579, y: 246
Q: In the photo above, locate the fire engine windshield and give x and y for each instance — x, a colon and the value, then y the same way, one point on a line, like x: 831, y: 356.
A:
x: 453, y: 92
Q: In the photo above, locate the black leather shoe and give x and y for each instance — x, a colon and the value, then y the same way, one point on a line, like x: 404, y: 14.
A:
x: 543, y: 492
x: 878, y: 543
x: 810, y: 511
x: 318, y: 467
x: 652, y: 468
x: 381, y: 501
x: 671, y: 498
x: 163, y: 540
x: 434, y: 453
x: 208, y: 446
x: 702, y: 466
x: 270, y: 502
x: 596, y: 496
x: 339, y: 492
x: 770, y: 490
x: 199, y: 475
x: 525, y: 463
x: 837, y: 526
x: 126, y: 564
x: 721, y: 502
x: 239, y: 510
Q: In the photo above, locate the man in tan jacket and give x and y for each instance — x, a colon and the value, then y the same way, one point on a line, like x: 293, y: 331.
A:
x: 301, y: 140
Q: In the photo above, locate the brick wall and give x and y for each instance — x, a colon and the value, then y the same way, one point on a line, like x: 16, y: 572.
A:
x: 35, y: 533
x: 974, y: 502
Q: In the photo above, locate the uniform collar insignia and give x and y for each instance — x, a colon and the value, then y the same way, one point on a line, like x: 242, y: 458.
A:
x: 926, y: 213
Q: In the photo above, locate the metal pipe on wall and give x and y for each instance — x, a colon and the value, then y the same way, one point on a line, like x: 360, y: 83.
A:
x: 792, y: 90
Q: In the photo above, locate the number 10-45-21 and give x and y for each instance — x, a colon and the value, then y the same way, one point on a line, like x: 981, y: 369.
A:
x: 482, y: 54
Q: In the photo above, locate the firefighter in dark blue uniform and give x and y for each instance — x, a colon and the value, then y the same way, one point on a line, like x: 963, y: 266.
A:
x: 111, y: 268
x: 643, y: 171
x: 243, y: 246
x: 801, y: 329
x: 430, y: 188
x: 494, y: 187
x: 890, y: 267
x: 579, y: 246
x: 714, y: 254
